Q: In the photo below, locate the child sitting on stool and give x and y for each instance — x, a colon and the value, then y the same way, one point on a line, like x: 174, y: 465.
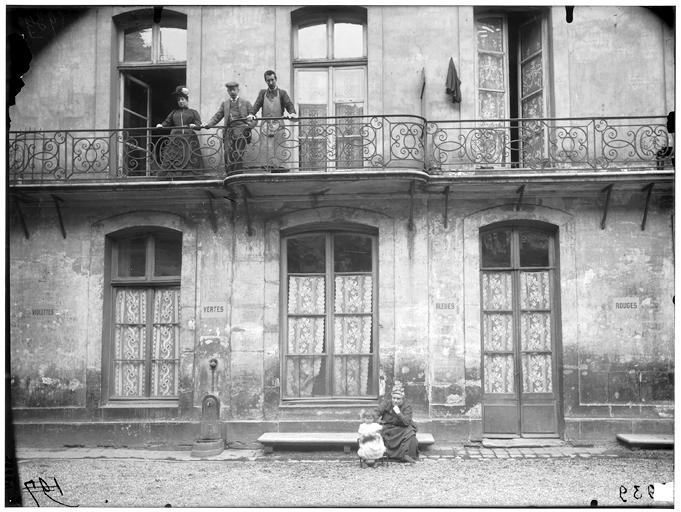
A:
x: 371, y: 445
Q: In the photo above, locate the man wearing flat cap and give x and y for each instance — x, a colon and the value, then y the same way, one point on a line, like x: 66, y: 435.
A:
x: 399, y: 429
x: 237, y: 133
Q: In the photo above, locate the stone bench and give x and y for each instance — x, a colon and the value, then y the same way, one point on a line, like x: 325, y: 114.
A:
x: 347, y: 440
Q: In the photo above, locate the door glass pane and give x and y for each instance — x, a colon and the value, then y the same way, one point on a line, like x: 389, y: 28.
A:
x: 497, y: 332
x: 306, y: 254
x: 164, y: 349
x: 492, y: 106
x: 173, y: 44
x: 530, y: 39
x: 130, y: 317
x: 353, y: 375
x: 499, y: 373
x: 353, y: 294
x: 306, y: 295
x: 348, y: 40
x: 135, y: 97
x: 352, y: 253
x: 535, y: 290
x: 313, y: 136
x: 306, y: 335
x: 312, y: 86
x: 497, y: 291
x: 132, y: 257
x: 349, y: 85
x: 531, y: 75
x: 490, y: 34
x: 131, y: 120
x: 137, y: 45
x: 168, y: 255
x: 534, y: 249
x: 491, y: 71
x: 537, y: 373
x: 305, y: 376
x: 349, y: 143
x: 353, y: 334
x: 312, y: 42
x: 496, y: 248
x: 535, y: 331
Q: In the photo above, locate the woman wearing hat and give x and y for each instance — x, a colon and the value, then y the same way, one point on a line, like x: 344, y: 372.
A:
x: 182, y: 149
x: 399, y: 429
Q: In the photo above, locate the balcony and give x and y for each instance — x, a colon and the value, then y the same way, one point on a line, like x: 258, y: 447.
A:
x: 353, y: 144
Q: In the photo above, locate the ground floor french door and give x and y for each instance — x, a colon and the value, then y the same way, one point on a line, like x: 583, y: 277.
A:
x: 520, y: 345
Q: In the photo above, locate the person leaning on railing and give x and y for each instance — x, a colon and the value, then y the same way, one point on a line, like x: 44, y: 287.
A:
x: 237, y: 132
x: 273, y: 102
x: 182, y: 151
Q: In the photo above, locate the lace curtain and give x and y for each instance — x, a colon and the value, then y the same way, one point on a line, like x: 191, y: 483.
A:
x: 131, y: 364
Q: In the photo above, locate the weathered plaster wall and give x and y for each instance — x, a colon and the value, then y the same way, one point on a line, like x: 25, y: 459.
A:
x: 234, y: 46
x: 615, y: 365
x: 610, y: 69
x: 624, y: 356
x: 47, y: 314
x: 447, y: 381
x: 62, y: 78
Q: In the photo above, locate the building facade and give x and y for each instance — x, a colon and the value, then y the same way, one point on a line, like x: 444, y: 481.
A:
x: 507, y: 257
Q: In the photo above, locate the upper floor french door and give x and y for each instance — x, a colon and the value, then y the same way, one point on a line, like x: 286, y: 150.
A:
x: 330, y: 80
x: 511, y: 74
x: 152, y: 61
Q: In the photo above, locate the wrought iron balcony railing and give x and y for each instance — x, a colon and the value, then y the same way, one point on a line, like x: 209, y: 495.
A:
x: 341, y: 143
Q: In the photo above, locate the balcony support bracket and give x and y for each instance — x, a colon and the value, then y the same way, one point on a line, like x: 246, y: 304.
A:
x: 57, y: 201
x: 649, y: 188
x: 22, y: 219
x: 520, y: 192
x: 608, y: 191
x: 211, y: 211
x: 247, y: 194
x: 410, y: 225
x: 446, y: 214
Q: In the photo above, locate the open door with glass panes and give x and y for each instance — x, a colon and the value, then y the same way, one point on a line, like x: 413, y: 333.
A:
x: 135, y: 116
x: 520, y: 345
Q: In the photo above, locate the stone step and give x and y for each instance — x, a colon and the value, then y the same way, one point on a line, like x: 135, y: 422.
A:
x: 522, y: 442
x: 647, y: 440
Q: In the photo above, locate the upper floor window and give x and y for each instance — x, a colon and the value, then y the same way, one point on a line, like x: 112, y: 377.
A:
x: 511, y: 82
x: 329, y: 34
x: 144, y: 40
x: 330, y: 79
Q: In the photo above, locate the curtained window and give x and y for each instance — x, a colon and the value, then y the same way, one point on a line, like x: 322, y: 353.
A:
x: 511, y: 83
x: 144, y: 314
x: 329, y: 335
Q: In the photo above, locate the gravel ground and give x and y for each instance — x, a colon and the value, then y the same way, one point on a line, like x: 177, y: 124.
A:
x: 340, y: 482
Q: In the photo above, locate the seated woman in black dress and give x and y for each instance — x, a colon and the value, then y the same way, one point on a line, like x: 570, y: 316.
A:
x: 399, y: 429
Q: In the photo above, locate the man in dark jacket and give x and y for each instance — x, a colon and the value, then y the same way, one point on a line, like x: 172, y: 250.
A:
x: 275, y: 103
x: 237, y: 132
